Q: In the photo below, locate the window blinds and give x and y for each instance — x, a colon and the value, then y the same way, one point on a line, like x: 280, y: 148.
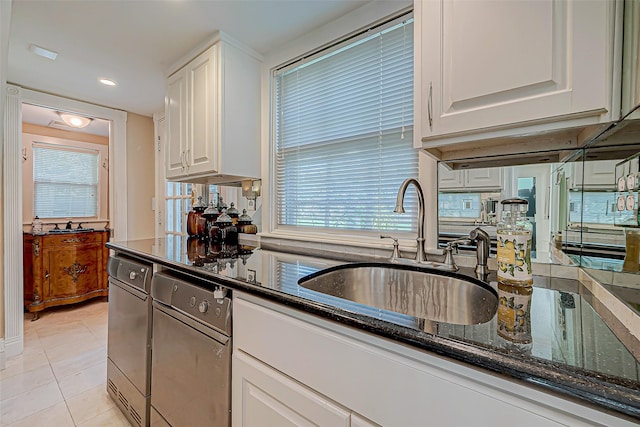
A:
x: 65, y: 183
x: 344, y: 135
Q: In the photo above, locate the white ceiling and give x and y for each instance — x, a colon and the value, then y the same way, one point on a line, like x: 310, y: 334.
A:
x: 134, y: 42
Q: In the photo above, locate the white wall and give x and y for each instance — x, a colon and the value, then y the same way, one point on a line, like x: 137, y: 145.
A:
x: 5, y: 21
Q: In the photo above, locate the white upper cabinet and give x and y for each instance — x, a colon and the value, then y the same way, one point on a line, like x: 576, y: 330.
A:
x: 176, y: 122
x: 212, y: 109
x: 594, y: 175
x: 484, y: 179
x: 490, y: 69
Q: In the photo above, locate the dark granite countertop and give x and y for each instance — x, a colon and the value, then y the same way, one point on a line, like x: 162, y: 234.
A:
x: 577, y: 348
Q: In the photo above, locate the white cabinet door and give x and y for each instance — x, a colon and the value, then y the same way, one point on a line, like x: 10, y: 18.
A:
x: 488, y: 65
x: 487, y: 178
x: 594, y: 174
x: 202, y: 85
x: 450, y: 179
x: 263, y: 396
x: 176, y: 122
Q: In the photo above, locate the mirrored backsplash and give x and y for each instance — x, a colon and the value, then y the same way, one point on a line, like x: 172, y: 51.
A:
x: 579, y: 210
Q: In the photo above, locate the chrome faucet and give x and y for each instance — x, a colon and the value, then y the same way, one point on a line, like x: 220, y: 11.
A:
x: 483, y: 242
x: 420, y: 253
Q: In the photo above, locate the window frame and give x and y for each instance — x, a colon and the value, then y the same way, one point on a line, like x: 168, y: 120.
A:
x: 329, y: 235
x: 28, y: 142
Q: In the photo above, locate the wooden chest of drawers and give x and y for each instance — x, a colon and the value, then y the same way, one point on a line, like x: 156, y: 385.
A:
x: 64, y: 268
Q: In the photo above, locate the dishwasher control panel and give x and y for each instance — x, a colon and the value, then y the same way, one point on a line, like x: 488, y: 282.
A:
x: 208, y: 304
x: 131, y: 272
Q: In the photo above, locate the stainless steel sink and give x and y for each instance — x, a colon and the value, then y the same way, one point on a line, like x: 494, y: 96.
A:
x: 424, y: 293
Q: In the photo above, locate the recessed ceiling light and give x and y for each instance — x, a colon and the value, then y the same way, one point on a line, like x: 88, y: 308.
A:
x: 107, y: 82
x: 45, y: 53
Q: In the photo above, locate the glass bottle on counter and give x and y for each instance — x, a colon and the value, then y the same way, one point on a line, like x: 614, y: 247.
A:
x: 514, y: 234
x: 227, y: 231
x: 36, y: 226
x: 195, y: 226
x: 210, y: 215
x: 233, y: 213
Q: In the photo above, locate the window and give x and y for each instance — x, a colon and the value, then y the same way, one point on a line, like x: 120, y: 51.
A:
x: 64, y: 178
x: 459, y: 205
x: 65, y: 182
x: 593, y: 207
x: 178, y: 200
x: 344, y: 134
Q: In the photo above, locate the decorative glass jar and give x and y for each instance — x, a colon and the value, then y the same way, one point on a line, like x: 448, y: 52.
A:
x: 514, y: 244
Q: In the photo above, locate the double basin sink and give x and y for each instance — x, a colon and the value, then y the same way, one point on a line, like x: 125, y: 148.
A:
x: 425, y: 293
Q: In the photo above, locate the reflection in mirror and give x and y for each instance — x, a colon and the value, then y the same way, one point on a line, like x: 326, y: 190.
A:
x: 576, y: 207
x: 608, y: 226
x: 471, y: 198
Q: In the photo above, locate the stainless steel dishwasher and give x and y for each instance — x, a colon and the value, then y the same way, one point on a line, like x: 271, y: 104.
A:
x: 191, y: 353
x: 129, y: 339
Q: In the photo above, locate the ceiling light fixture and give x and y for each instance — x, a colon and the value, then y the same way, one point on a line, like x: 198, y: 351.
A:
x: 75, y: 121
x: 107, y: 82
x: 45, y: 53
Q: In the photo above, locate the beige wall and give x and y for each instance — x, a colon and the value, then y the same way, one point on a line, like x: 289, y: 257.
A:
x: 64, y: 134
x: 140, y: 177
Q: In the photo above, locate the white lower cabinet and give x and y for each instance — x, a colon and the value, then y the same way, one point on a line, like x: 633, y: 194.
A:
x: 272, y: 399
x: 292, y: 368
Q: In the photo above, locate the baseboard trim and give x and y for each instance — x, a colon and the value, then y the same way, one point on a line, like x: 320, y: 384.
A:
x: 13, y: 346
x: 2, y: 355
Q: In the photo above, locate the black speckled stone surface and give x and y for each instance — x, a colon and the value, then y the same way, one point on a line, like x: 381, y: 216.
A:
x: 578, y: 349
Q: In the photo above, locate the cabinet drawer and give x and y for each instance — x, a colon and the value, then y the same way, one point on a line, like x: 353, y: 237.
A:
x: 74, y: 238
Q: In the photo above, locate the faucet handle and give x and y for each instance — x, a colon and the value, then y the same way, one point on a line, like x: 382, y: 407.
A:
x: 396, y: 247
x: 448, y: 261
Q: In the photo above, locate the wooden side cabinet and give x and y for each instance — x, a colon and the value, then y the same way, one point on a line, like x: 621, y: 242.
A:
x: 64, y: 268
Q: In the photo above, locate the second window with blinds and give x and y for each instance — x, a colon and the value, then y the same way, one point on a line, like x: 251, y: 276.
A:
x: 64, y: 179
x: 343, y: 127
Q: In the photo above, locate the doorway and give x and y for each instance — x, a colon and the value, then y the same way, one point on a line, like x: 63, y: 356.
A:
x: 12, y: 199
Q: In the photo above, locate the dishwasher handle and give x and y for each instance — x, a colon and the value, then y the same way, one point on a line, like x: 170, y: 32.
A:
x: 216, y: 335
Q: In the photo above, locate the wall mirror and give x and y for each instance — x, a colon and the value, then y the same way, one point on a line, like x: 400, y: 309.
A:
x: 574, y: 200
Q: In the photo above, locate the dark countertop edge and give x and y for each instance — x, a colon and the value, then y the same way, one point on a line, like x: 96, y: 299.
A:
x: 564, y: 380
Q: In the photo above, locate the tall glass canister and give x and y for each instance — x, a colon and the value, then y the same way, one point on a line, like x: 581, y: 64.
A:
x: 514, y: 233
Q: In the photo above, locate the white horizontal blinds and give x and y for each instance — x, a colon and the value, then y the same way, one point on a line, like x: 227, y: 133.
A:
x: 344, y: 132
x: 65, y: 182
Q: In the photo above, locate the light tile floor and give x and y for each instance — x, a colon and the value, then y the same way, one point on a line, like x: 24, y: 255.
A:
x: 59, y: 380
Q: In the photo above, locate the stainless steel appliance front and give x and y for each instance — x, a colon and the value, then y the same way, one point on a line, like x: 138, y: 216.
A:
x: 129, y: 338
x: 191, y: 354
